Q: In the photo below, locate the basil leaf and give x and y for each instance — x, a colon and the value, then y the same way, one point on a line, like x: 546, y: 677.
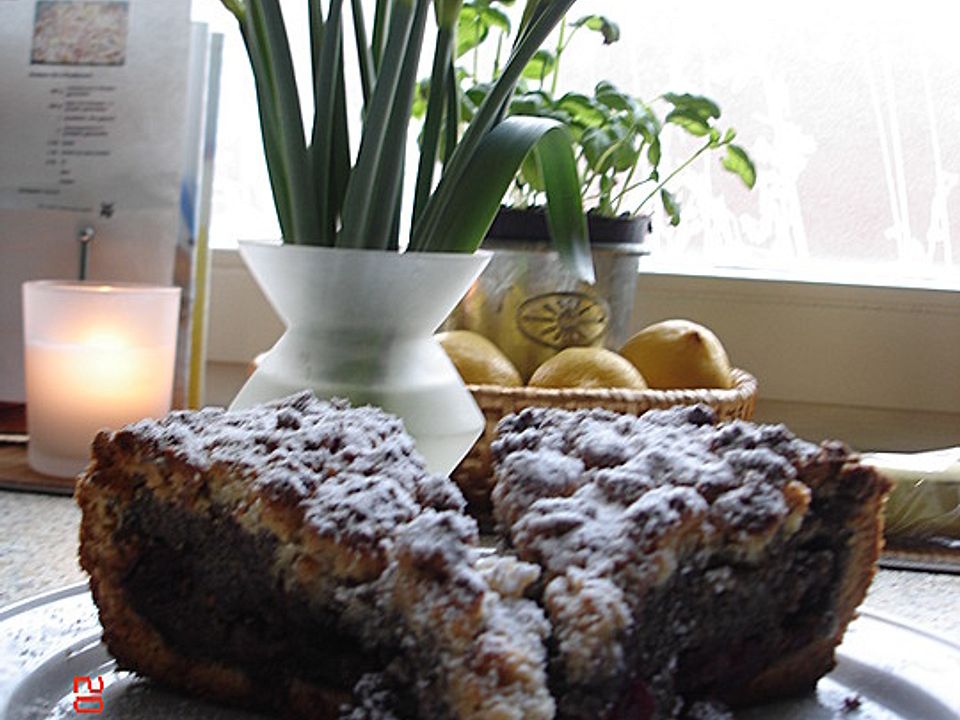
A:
x: 738, y: 162
x: 671, y: 205
x: 541, y: 64
x: 698, y: 105
x: 689, y: 121
x: 598, y: 23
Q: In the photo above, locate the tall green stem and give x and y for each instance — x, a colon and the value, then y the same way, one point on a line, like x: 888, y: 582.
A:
x: 626, y: 183
x: 556, y: 62
x: 329, y: 69
x: 677, y: 170
x: 273, y: 67
x: 451, y: 115
x: 430, y: 137
x: 364, y: 55
x: 381, y: 21
x: 384, y: 135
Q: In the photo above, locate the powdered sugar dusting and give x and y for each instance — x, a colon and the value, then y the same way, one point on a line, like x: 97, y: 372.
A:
x: 352, y: 474
x: 570, y: 483
x: 465, y: 615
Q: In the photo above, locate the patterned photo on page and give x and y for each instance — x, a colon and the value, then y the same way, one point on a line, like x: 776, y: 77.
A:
x: 79, y: 33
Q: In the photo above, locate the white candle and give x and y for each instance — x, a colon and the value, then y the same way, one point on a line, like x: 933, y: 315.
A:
x: 96, y: 357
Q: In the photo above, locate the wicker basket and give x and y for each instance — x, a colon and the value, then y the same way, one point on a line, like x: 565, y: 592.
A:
x: 475, y: 476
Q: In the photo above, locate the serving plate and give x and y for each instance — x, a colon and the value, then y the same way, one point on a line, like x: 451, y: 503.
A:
x: 52, y: 663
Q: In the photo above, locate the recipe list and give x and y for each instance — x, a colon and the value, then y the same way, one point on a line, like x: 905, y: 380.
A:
x: 78, y: 140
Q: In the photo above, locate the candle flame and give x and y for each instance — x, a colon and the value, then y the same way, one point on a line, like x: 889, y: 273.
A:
x: 105, y: 339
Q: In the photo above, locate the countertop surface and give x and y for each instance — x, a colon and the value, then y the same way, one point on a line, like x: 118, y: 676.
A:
x: 38, y: 553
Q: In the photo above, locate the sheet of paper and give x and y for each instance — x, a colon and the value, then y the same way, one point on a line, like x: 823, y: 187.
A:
x: 92, y: 132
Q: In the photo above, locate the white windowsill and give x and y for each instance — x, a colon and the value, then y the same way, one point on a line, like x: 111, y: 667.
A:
x: 875, y: 365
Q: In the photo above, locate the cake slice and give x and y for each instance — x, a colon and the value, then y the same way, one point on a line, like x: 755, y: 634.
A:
x: 684, y: 561
x: 298, y: 557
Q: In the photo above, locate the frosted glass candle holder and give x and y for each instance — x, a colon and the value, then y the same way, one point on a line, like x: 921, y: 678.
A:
x: 96, y: 357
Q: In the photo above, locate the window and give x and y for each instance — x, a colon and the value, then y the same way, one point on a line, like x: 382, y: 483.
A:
x: 850, y: 111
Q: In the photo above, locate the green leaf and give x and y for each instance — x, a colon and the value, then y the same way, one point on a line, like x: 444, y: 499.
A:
x: 494, y: 18
x: 473, y: 97
x: 381, y: 21
x: 451, y: 115
x: 654, y: 153
x: 442, y: 59
x: 738, y: 162
x: 696, y: 105
x: 598, y: 23
x: 625, y: 156
x: 468, y: 210
x: 609, y: 147
x: 671, y: 206
x: 471, y: 30
x: 690, y: 121
x: 530, y: 172
x: 582, y: 110
x: 364, y: 55
x: 340, y: 163
x: 533, y: 11
x: 729, y: 135
x: 541, y: 65
x: 614, y: 99
x: 478, y: 93
x: 646, y: 122
x: 596, y: 142
x: 323, y: 141
x: 419, y: 108
x: 269, y: 129
x: 535, y: 102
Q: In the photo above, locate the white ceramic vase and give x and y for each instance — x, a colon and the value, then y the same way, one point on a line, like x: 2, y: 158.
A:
x: 360, y: 325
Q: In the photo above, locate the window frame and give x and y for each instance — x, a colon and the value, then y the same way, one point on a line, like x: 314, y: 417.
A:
x: 875, y: 365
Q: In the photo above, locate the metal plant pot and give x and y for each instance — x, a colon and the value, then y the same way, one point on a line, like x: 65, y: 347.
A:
x: 531, y: 306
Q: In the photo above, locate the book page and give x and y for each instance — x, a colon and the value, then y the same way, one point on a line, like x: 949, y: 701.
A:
x: 92, y: 131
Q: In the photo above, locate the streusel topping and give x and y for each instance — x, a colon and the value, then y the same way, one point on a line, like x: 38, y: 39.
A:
x: 575, y: 486
x: 610, y: 505
x: 323, y: 469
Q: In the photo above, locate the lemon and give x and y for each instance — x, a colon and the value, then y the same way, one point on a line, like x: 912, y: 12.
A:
x: 587, y: 367
x: 679, y: 354
x: 478, y: 360
x: 525, y: 354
